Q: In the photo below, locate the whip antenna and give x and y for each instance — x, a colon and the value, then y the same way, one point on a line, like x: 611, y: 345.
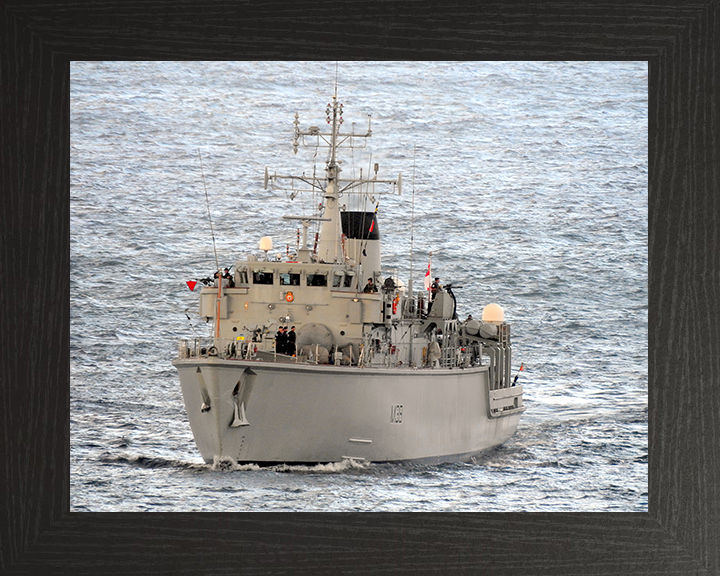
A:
x: 207, y: 202
x: 336, y: 77
x: 412, y: 225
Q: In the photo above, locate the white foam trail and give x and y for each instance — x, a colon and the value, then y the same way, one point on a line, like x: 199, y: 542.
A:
x: 226, y: 464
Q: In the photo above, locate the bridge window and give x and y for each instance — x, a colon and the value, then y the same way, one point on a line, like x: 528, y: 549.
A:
x: 289, y: 279
x: 262, y: 277
x: 317, y: 279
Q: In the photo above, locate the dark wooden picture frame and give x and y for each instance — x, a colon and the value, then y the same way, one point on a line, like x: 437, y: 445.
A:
x: 680, y: 534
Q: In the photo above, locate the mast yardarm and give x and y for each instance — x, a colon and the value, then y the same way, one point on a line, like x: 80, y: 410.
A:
x: 329, y: 248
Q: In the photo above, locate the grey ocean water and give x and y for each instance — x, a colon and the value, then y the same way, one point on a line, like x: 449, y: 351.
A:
x: 530, y: 191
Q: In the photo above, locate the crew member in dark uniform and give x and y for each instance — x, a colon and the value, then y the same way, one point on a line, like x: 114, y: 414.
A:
x: 291, y: 337
x: 229, y: 277
x: 435, y: 288
x: 281, y: 341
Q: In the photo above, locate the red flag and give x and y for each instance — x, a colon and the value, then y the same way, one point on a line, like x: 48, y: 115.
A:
x: 191, y: 284
x: 518, y: 374
x: 372, y: 225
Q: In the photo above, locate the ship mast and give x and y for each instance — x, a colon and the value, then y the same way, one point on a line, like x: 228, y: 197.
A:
x: 329, y: 249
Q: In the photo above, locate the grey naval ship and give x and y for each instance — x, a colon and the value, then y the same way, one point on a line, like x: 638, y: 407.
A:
x: 317, y: 355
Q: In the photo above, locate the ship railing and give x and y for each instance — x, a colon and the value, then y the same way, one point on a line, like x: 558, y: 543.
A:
x: 450, y: 344
x: 500, y: 356
x: 209, y: 347
x: 415, y: 306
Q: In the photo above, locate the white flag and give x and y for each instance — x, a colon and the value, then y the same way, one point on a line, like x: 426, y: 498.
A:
x: 428, y: 281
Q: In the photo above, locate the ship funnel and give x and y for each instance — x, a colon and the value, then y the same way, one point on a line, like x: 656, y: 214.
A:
x: 363, y: 235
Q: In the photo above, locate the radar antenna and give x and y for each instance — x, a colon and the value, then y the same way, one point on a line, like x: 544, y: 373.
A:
x: 332, y: 187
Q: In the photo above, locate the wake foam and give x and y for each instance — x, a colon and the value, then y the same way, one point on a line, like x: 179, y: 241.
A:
x: 225, y: 464
x: 148, y: 461
x: 329, y: 468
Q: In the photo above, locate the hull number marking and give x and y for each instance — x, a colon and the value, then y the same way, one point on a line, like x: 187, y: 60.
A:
x: 396, y: 414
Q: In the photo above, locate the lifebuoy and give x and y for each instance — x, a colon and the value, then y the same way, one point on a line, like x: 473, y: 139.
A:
x: 289, y: 297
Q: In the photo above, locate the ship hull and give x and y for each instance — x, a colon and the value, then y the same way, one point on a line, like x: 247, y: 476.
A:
x: 251, y: 411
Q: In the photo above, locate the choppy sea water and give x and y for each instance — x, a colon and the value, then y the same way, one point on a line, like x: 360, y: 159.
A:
x: 530, y: 190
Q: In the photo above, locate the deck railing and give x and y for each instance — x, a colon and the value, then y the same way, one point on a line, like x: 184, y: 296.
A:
x: 204, y: 347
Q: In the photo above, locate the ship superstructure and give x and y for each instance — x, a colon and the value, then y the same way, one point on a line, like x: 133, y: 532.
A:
x: 373, y: 370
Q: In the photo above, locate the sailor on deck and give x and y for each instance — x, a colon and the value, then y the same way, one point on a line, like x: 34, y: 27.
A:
x: 230, y: 280
x: 291, y: 338
x: 370, y: 287
x: 281, y: 341
x: 435, y: 288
